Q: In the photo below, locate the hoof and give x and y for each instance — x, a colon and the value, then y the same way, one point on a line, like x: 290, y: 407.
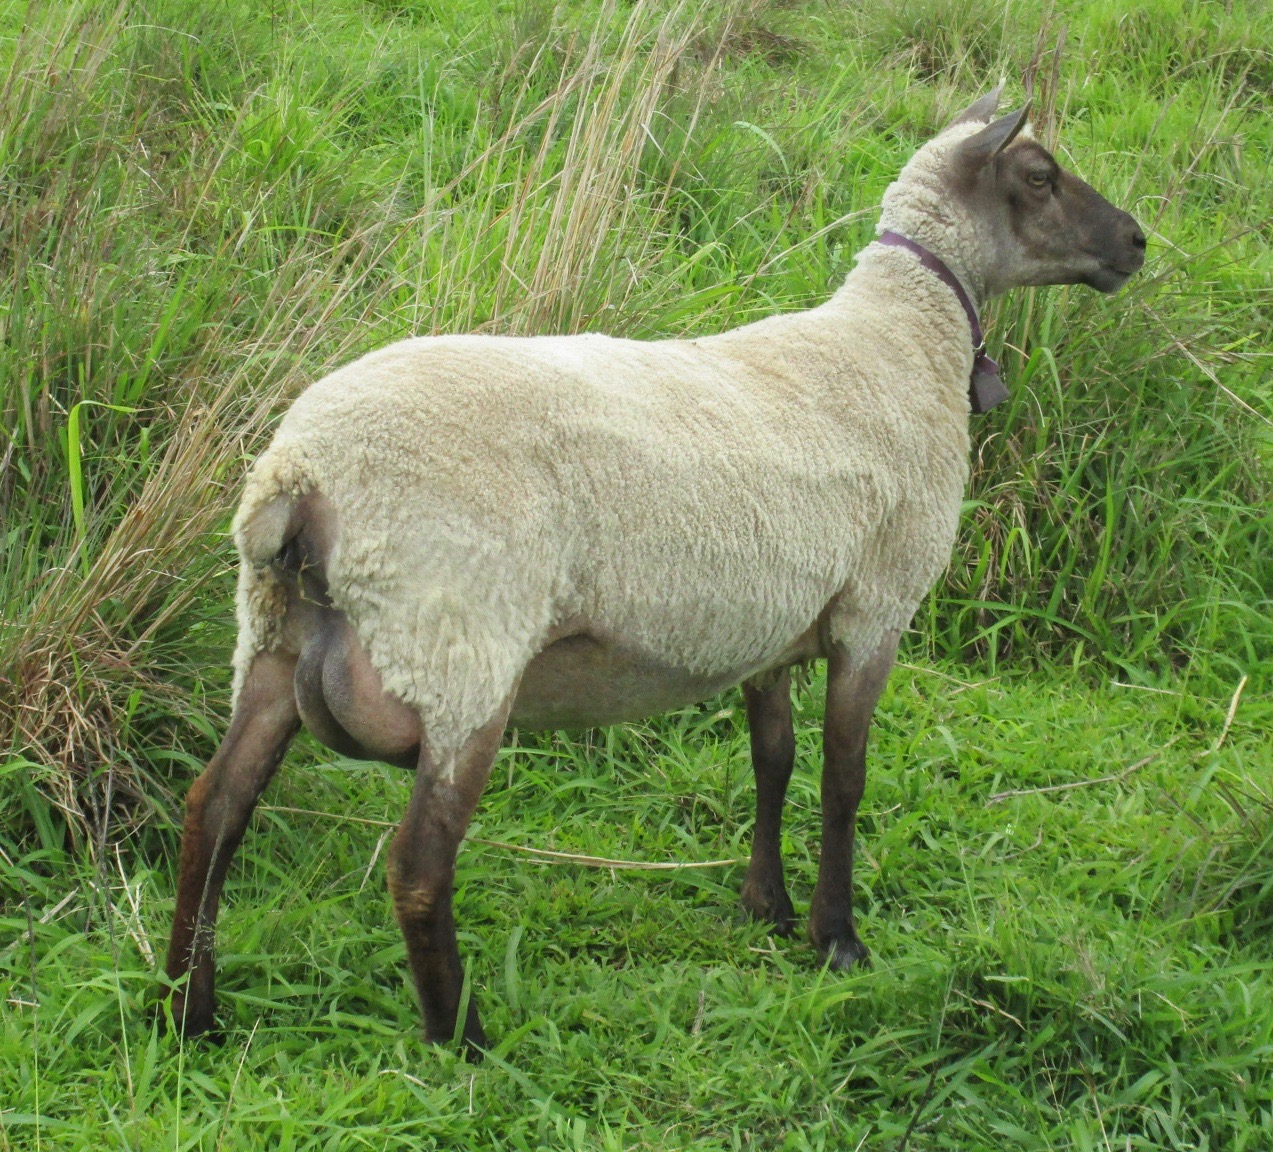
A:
x: 836, y: 939
x: 473, y: 1046
x: 191, y: 1020
x: 473, y: 1043
x: 845, y: 953
x: 770, y: 906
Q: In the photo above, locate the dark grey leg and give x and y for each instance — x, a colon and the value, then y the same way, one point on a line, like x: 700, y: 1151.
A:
x: 422, y: 874
x: 773, y: 752
x: 851, y: 698
x: 218, y: 807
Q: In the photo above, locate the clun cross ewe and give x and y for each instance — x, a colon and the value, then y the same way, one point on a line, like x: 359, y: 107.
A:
x: 457, y: 534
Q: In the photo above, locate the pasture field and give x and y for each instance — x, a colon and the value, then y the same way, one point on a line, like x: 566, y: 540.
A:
x: 1065, y: 868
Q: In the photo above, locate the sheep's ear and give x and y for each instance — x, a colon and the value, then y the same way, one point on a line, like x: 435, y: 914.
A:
x: 994, y: 137
x: 980, y: 111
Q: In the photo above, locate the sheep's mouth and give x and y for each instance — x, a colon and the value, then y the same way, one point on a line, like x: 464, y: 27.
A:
x: 1110, y: 277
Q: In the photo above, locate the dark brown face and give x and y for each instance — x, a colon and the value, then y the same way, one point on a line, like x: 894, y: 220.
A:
x: 1059, y: 230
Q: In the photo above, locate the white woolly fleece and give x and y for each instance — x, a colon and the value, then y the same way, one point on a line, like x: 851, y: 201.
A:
x: 704, y: 499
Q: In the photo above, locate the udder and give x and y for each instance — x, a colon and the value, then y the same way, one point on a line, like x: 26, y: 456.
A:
x: 343, y: 701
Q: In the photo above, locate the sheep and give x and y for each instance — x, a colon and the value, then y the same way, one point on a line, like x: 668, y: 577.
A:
x: 454, y: 534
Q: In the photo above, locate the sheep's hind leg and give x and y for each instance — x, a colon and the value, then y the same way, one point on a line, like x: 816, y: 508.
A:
x: 773, y: 753
x: 421, y: 871
x: 218, y: 807
x: 851, y: 698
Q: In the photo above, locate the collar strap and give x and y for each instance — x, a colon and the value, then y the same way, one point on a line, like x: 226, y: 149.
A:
x: 985, y: 387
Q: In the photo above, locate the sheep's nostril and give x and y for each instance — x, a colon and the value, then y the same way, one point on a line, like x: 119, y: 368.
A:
x: 1138, y: 239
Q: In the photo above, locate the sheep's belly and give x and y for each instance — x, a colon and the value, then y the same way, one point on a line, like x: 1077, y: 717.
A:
x: 582, y: 682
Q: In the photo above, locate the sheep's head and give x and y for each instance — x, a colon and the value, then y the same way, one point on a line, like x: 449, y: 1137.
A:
x: 996, y: 206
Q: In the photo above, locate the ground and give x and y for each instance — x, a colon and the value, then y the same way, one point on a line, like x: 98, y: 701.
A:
x: 1065, y: 891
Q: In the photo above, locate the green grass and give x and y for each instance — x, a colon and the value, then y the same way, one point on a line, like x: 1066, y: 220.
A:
x: 203, y: 207
x: 1057, y: 970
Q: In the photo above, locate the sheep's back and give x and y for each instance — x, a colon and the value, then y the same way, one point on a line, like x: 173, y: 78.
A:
x: 487, y: 489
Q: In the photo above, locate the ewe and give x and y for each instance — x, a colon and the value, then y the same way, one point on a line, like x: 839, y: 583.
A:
x: 458, y: 533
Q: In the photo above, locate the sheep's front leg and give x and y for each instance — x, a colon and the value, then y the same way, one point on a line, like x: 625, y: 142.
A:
x: 851, y: 698
x: 422, y: 874
x: 773, y: 753
x: 218, y: 807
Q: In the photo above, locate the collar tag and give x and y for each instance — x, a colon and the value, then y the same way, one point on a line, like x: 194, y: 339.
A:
x: 986, y: 388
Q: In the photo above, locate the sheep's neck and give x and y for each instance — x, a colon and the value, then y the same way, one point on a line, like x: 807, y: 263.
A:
x: 985, y: 386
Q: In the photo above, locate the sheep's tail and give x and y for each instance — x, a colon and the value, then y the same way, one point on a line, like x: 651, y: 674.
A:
x: 268, y: 517
x: 268, y: 513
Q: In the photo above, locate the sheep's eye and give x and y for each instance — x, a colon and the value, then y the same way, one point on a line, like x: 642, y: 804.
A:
x: 1038, y: 180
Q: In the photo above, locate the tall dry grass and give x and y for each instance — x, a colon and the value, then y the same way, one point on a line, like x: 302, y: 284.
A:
x: 203, y: 209
x: 157, y: 369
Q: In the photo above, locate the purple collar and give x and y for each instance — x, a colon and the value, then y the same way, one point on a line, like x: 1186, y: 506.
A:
x: 985, y: 388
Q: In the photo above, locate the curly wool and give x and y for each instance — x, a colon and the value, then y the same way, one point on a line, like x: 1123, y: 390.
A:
x: 706, y: 500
